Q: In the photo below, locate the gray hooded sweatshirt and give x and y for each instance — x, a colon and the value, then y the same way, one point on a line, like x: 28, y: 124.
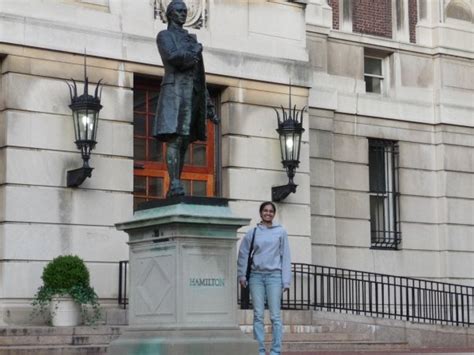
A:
x: 271, y: 252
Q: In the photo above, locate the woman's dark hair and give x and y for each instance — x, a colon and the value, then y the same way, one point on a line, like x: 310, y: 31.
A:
x: 266, y: 203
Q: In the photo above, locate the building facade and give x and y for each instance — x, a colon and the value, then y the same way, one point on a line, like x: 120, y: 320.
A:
x: 386, y: 179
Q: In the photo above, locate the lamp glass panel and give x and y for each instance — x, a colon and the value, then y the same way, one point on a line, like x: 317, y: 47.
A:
x: 282, y: 147
x: 75, y: 119
x: 85, y: 123
x: 297, y: 146
x: 290, y: 145
x: 96, y: 125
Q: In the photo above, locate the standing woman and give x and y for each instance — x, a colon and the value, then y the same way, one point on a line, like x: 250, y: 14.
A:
x: 270, y: 273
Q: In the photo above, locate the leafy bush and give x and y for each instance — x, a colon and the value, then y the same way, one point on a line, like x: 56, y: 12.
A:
x: 65, y: 272
x: 67, y: 275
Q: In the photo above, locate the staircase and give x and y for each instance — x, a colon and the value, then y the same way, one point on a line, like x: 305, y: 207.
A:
x: 306, y: 334
x: 57, y: 340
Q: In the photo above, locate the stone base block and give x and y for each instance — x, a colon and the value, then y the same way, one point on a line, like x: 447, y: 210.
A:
x: 146, y: 341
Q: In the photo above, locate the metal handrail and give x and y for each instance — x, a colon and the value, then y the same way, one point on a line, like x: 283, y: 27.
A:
x: 122, y: 284
x: 316, y: 287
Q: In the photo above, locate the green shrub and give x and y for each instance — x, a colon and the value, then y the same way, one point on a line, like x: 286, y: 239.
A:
x: 65, y: 272
x: 67, y: 275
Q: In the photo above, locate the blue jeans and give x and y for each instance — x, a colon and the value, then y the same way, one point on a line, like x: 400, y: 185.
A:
x: 266, y: 285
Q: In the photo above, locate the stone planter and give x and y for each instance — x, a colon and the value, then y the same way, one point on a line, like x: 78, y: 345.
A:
x: 65, y: 312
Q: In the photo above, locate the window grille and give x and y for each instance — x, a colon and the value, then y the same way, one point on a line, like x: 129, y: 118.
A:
x: 384, y: 195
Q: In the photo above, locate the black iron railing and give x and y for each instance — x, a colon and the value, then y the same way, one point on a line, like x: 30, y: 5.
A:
x: 122, y: 285
x: 316, y: 287
x: 377, y: 295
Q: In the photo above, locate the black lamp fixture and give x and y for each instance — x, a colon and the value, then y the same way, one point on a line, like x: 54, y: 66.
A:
x: 85, y: 116
x: 290, y: 129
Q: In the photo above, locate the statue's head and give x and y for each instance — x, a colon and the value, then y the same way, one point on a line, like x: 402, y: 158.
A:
x: 177, y: 12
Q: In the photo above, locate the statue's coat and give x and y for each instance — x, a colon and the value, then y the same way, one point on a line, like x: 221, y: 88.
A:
x: 183, y: 98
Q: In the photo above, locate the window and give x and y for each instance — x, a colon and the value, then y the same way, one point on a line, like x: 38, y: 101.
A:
x: 150, y: 173
x: 373, y: 74
x: 384, y: 195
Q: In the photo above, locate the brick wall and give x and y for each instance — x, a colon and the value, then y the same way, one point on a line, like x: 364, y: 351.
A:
x: 412, y: 19
x: 335, y: 13
x: 375, y: 17
x: 372, y: 17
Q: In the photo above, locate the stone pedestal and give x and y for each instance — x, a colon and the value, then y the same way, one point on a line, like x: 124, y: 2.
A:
x: 183, y: 297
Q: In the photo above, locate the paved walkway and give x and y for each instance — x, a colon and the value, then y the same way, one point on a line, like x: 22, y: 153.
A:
x: 437, y: 351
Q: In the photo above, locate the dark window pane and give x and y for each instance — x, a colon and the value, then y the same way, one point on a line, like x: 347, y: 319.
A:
x: 187, y: 156
x: 150, y: 125
x: 373, y: 84
x: 199, y: 154
x: 137, y: 200
x: 139, y: 103
x: 139, y: 185
x: 155, y: 187
x: 139, y: 127
x: 187, y: 186
x: 199, y: 188
x: 377, y: 217
x: 139, y: 149
x: 377, y: 169
x: 155, y: 150
x: 152, y: 101
x: 373, y: 66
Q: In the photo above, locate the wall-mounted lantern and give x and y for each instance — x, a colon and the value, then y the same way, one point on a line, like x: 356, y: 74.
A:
x: 290, y: 129
x: 85, y: 116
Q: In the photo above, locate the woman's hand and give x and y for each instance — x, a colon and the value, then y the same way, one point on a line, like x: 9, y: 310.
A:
x: 243, y: 283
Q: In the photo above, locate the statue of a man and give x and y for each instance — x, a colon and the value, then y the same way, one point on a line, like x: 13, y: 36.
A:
x: 184, y: 103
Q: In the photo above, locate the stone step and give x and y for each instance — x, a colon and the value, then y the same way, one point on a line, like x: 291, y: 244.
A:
x: 54, y: 350
x: 46, y: 331
x: 248, y: 329
x: 311, y: 333
x: 57, y: 340
x: 32, y: 336
x: 294, y: 337
x: 388, y: 347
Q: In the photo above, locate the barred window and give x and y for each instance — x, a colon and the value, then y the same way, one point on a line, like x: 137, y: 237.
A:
x: 384, y: 195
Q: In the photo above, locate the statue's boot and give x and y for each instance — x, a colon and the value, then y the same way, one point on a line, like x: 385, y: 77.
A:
x: 174, y: 162
x: 176, y: 188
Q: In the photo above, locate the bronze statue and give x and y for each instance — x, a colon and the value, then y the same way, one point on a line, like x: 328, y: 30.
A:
x: 184, y: 103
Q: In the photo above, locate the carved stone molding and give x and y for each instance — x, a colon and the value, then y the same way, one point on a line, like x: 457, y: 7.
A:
x: 197, y: 12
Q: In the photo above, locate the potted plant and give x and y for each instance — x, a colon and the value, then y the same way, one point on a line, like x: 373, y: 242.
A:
x: 67, y: 292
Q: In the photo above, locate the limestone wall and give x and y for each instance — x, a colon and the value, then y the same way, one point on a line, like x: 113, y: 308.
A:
x: 252, y: 49
x: 426, y: 105
x: 242, y: 38
x: 42, y: 218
